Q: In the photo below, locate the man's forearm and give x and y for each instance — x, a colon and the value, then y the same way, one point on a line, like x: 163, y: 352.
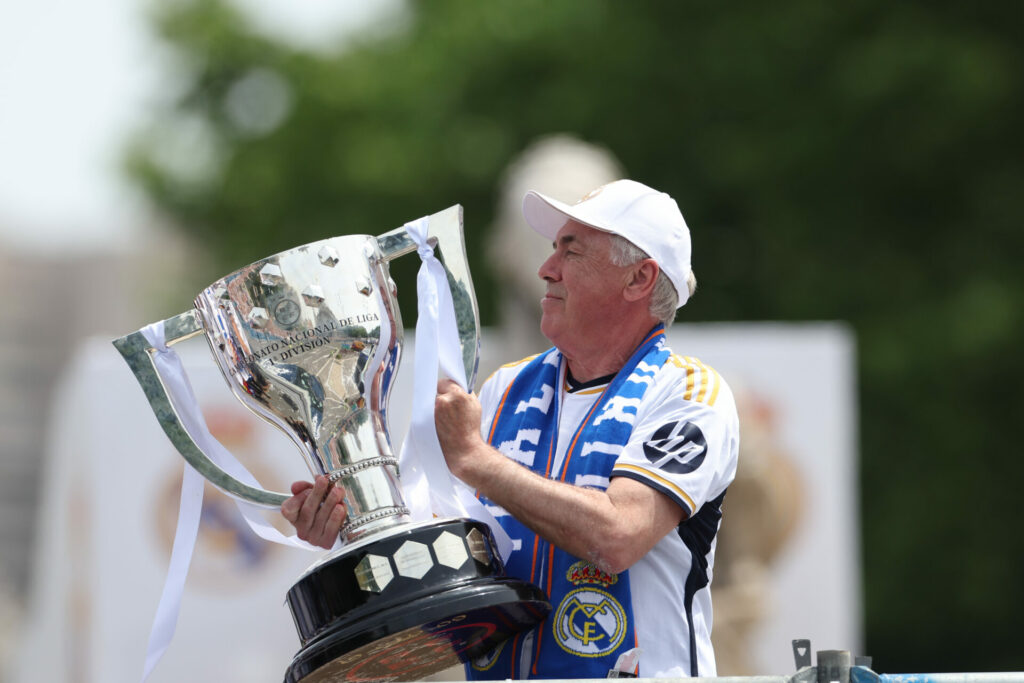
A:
x: 611, y: 528
x: 584, y: 522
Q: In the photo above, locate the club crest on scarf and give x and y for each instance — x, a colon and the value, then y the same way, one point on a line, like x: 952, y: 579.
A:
x: 589, y: 622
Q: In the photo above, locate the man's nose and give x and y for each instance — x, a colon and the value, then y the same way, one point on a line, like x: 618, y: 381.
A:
x: 548, y: 270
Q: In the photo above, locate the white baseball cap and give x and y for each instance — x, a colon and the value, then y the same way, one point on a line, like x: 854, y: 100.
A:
x: 649, y: 219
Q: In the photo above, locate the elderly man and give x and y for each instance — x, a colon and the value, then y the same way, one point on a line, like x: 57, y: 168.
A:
x: 606, y: 458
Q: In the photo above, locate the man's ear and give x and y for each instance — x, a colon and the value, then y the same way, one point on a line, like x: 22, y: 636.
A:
x: 641, y: 280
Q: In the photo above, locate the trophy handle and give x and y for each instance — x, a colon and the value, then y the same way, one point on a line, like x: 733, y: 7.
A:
x: 138, y: 352
x: 445, y: 231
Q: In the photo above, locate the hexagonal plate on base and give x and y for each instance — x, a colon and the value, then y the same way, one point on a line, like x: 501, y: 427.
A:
x: 413, y: 560
x: 478, y: 547
x: 450, y: 550
x: 374, y: 573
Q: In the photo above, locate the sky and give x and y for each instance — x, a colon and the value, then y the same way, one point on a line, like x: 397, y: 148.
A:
x: 76, y: 77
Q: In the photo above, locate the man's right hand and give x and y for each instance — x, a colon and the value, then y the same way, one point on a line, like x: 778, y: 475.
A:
x: 316, y: 511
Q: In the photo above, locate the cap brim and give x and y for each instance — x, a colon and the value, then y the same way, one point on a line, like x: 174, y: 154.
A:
x: 544, y: 214
x: 547, y: 215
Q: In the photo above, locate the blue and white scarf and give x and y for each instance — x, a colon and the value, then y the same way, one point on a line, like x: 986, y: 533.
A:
x: 592, y: 619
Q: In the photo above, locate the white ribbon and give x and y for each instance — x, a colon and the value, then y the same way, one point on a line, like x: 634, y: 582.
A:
x: 183, y: 399
x: 428, y: 485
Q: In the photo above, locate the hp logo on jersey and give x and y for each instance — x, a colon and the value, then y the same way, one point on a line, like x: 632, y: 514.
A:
x: 677, y: 447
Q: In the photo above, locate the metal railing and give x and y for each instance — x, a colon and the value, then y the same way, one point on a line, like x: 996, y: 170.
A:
x: 840, y: 666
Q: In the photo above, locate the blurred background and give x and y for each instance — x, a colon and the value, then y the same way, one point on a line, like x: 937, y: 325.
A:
x: 836, y: 162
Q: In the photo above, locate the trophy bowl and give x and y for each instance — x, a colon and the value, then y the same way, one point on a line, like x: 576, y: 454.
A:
x: 309, y: 339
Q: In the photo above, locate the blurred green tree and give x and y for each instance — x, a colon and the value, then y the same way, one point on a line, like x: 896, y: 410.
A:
x: 836, y: 161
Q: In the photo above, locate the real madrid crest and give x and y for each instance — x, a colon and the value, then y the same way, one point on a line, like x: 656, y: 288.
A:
x: 589, y: 622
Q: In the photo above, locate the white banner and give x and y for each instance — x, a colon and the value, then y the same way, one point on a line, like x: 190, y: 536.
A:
x: 788, y: 558
x: 109, y: 510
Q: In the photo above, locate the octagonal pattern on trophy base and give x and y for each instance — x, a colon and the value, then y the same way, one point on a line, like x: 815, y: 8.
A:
x: 374, y: 573
x: 413, y: 560
x: 450, y: 550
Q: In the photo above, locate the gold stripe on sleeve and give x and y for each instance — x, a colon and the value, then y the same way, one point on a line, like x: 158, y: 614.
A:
x: 689, y: 383
x: 520, y: 361
x: 703, y: 378
x: 661, y: 480
x: 512, y: 365
x: 710, y: 382
x: 718, y: 385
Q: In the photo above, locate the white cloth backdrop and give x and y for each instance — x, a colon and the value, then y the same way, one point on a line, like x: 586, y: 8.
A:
x: 110, y: 496
x: 802, y: 379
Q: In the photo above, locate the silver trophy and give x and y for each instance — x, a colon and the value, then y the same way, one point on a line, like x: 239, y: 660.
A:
x: 309, y: 340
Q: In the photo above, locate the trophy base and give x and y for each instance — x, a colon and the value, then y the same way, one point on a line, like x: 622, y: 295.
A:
x: 408, y: 605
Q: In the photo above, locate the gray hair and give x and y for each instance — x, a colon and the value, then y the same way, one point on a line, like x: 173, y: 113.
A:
x: 664, y: 298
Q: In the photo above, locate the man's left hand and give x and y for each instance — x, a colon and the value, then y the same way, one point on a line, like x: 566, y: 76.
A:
x: 457, y: 419
x: 316, y: 511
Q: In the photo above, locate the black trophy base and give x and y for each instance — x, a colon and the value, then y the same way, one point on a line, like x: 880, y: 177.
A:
x: 408, y: 604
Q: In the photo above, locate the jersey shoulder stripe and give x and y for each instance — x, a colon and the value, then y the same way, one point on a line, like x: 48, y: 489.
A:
x: 646, y: 476
x: 513, y: 364
x: 702, y: 381
x: 520, y: 361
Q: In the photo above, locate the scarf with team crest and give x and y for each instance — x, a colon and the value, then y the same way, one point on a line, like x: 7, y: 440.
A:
x: 591, y: 622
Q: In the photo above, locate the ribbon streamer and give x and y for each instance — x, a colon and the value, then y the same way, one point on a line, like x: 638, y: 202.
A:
x: 183, y: 399
x: 428, y: 485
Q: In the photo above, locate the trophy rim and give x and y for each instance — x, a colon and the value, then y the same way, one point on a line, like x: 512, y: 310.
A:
x: 367, y: 237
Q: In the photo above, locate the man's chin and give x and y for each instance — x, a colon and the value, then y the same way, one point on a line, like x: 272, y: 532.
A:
x: 549, y: 328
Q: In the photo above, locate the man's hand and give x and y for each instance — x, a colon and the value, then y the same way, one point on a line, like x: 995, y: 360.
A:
x: 457, y: 419
x: 316, y: 511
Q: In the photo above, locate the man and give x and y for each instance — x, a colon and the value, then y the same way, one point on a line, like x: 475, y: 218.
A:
x: 606, y: 458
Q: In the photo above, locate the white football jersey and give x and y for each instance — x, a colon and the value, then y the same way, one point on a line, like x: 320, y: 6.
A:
x: 685, y: 444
